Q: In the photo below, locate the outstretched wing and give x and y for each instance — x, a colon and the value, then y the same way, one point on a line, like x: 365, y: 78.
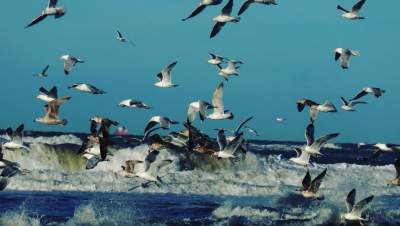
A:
x: 196, y: 11
x: 239, y: 127
x: 310, y: 134
x: 217, y: 101
x: 323, y: 140
x: 350, y: 199
x: 359, y: 95
x: 216, y: 29
x: 244, y: 7
x: 227, y: 8
x: 221, y: 139
x: 316, y: 183
x: 306, y: 181
x: 52, y: 3
x: 344, y: 101
x: 358, y: 6
x: 357, y: 208
x: 150, y: 125
x: 36, y: 20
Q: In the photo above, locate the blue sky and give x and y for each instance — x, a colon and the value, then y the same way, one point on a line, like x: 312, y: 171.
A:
x: 287, y: 50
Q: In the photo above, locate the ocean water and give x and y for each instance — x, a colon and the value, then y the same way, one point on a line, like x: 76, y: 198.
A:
x: 197, y: 189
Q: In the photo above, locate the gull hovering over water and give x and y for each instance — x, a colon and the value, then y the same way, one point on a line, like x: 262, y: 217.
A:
x: 230, y: 69
x: 165, y: 77
x: 216, y: 59
x: 86, y: 88
x: 354, y: 210
x: 121, y: 38
x: 396, y: 180
x: 247, y: 3
x: 378, y: 92
x: 310, y: 188
x: 313, y: 146
x: 203, y: 4
x: 164, y: 122
x: 223, y: 18
x: 70, y: 62
x: 131, y: 103
x: 219, y: 112
x: 302, y: 157
x: 200, y: 107
x: 315, y: 108
x: 50, y: 10
x: 353, y: 14
x: 15, y: 137
x: 348, y: 105
x: 43, y: 73
x: 344, y: 55
x: 228, y: 150
x: 51, y: 117
x: 51, y: 95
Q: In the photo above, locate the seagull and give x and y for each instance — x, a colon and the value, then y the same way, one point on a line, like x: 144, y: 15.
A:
x: 228, y: 150
x: 146, y: 139
x: 219, y: 112
x: 382, y: 148
x: 348, y: 105
x: 373, y: 90
x: 203, y: 4
x: 396, y: 181
x: 310, y: 188
x: 131, y: 103
x: 313, y: 146
x: 354, y: 211
x: 105, y: 124
x: 165, y: 77
x: 8, y: 168
x: 15, y: 138
x: 51, y: 95
x: 121, y: 38
x: 51, y: 117
x: 247, y: 3
x: 353, y: 14
x: 128, y: 169
x: 344, y: 55
x: 150, y: 167
x: 70, y: 62
x: 86, y: 88
x: 165, y: 123
x: 280, y: 119
x: 223, y: 18
x: 315, y: 108
x: 231, y: 69
x: 43, y: 73
x: 51, y: 10
x: 200, y: 107
x: 239, y: 127
x: 216, y: 59
x: 304, y: 102
x: 302, y: 158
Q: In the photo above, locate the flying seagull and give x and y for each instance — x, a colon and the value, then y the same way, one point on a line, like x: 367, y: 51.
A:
x: 396, y: 180
x: 164, y: 77
x: 216, y: 59
x: 247, y: 3
x: 353, y: 14
x: 344, y: 55
x: 223, y: 18
x: 239, y: 127
x: 86, y: 88
x: 354, y: 211
x: 70, y: 62
x: 50, y: 10
x: 200, y: 107
x: 43, y: 73
x: 280, y: 119
x: 373, y: 90
x: 122, y: 38
x: 310, y: 188
x: 231, y: 69
x: 50, y: 95
x: 15, y: 137
x: 228, y: 150
x: 131, y: 103
x: 348, y: 105
x: 164, y: 122
x: 313, y: 146
x: 302, y: 157
x: 203, y: 4
x: 315, y: 107
x: 7, y: 169
x: 105, y: 124
x: 51, y: 117
x: 219, y: 112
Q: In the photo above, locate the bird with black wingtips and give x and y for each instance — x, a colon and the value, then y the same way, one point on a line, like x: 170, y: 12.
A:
x: 311, y: 187
x: 164, y: 122
x: 50, y: 95
x: 377, y: 92
x: 50, y: 10
x: 131, y: 103
x: 216, y: 59
x: 70, y: 62
x: 223, y: 18
x: 43, y: 73
x: 219, y: 112
x: 199, y: 107
x: 247, y: 3
x: 52, y: 110
x: 123, y: 39
x: 344, y: 55
x: 16, y: 138
x: 164, y: 77
x: 349, y: 105
x: 353, y: 14
x: 302, y: 157
x: 203, y: 4
x: 313, y: 145
x: 354, y: 210
x: 87, y: 88
x: 228, y: 150
x: 230, y: 70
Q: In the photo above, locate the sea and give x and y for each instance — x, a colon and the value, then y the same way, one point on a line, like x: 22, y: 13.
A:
x: 197, y: 189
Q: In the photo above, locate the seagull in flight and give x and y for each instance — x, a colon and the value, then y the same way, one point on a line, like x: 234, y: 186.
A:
x: 353, y: 14
x: 70, y: 62
x: 354, y: 210
x: 52, y: 110
x: 15, y: 137
x: 313, y: 146
x: 216, y: 59
x: 311, y: 187
x: 203, y: 4
x: 348, y: 105
x: 131, y: 103
x: 86, y: 88
x: 230, y: 69
x: 247, y: 3
x: 377, y: 92
x: 344, y: 55
x: 165, y: 77
x: 50, y: 10
x: 123, y: 39
x: 228, y: 150
x: 219, y: 112
x: 315, y: 107
x: 43, y: 73
x: 302, y: 158
x: 223, y: 18
x: 51, y: 95
x: 200, y: 107
x: 164, y: 122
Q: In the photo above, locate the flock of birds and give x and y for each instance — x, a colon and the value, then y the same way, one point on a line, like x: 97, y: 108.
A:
x: 95, y: 146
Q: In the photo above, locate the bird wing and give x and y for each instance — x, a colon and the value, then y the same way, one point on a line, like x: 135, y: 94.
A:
x: 52, y: 3
x: 316, y: 183
x: 244, y: 7
x: 192, y: 111
x: 354, y: 103
x: 213, y: 56
x: 324, y: 139
x: 119, y: 34
x: 93, y: 127
x: 36, y: 20
x: 53, y: 92
x: 298, y: 151
x: 310, y: 134
x: 17, y: 135
x: 237, y: 130
x: 9, y: 132
x: 397, y: 167
x: 350, y: 200
x: 147, y: 134
x: 313, y: 114
x: 217, y: 101
x: 337, y: 56
x: 359, y: 95
x: 306, y: 181
x: 53, y: 109
x: 216, y: 29
x: 45, y: 69
x: 357, y: 208
x: 103, y: 148
x: 196, y: 11
x: 227, y: 8
x: 150, y: 125
x: 166, y: 72
x: 68, y: 65
x: 233, y: 146
x: 221, y: 139
x: 344, y: 101
x: 358, y: 6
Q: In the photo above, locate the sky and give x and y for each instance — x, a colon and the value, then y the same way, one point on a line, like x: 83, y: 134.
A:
x: 287, y: 50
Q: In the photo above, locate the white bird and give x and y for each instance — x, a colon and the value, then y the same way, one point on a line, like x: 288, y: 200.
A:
x: 86, y: 88
x: 219, y: 112
x: 230, y: 69
x: 280, y: 119
x: 165, y: 77
x: 200, y: 107
x: 302, y: 157
x: 239, y: 127
x: 52, y: 111
x: 228, y: 150
x: 348, y: 105
x: 50, y: 10
x: 70, y: 62
x: 203, y: 4
x: 122, y: 38
x: 43, y: 73
x: 354, y: 211
x: 344, y: 55
x: 16, y: 138
x: 51, y: 95
x: 353, y: 14
x: 378, y: 92
x: 150, y: 167
x: 313, y: 146
x: 310, y: 188
x: 247, y: 3
x: 164, y: 122
x: 131, y: 103
x: 223, y: 18
x: 216, y: 59
x: 325, y: 107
